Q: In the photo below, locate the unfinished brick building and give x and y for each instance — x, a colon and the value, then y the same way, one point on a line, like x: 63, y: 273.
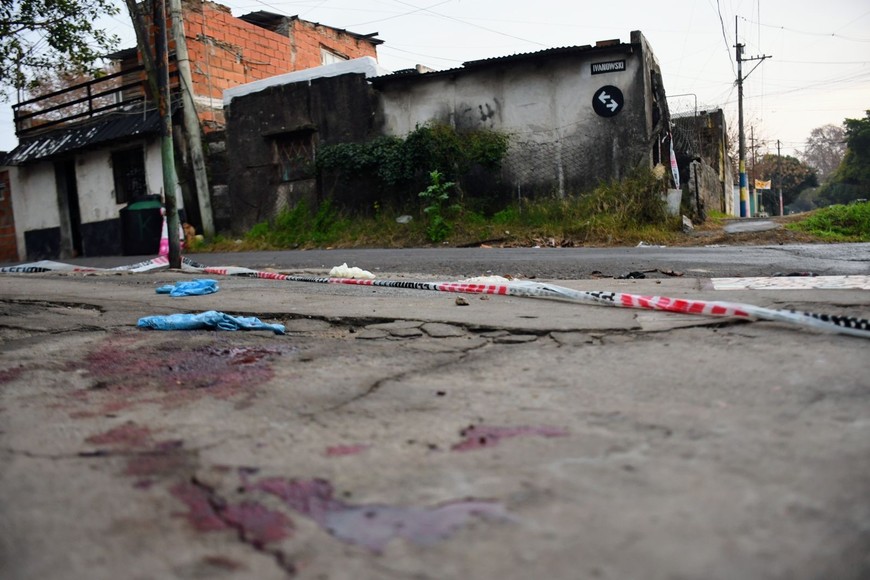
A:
x: 80, y: 163
x: 226, y: 51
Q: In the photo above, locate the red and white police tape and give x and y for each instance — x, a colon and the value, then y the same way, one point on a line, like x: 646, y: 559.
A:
x: 848, y: 325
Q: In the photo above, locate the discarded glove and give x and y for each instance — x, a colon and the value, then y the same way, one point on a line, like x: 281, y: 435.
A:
x: 190, y: 288
x: 207, y: 320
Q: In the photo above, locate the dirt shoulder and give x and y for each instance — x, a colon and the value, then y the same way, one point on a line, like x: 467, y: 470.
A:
x: 713, y: 231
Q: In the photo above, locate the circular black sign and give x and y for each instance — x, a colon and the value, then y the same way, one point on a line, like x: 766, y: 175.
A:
x: 607, y: 101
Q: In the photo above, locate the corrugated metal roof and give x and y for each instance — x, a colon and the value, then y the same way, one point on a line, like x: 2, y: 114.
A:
x: 496, y: 60
x: 110, y: 128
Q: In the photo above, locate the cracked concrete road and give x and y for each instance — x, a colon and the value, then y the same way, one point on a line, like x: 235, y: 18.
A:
x: 395, y: 434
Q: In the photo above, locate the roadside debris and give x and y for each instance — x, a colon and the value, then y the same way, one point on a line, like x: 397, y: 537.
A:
x: 354, y: 273
x: 209, y: 320
x: 190, y: 288
x: 687, y: 225
x: 673, y: 273
x: 460, y: 301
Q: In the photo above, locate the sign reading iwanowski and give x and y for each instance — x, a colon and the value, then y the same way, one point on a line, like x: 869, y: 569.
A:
x: 608, y: 67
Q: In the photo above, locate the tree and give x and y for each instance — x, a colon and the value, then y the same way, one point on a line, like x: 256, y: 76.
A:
x: 64, y: 79
x: 851, y: 180
x: 42, y: 37
x: 787, y: 172
x: 825, y: 148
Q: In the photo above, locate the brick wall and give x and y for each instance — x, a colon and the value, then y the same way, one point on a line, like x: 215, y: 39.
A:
x: 226, y: 51
x: 8, y: 245
x: 307, y: 39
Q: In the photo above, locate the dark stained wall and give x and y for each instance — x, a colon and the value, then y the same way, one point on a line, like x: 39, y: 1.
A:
x: 272, y: 137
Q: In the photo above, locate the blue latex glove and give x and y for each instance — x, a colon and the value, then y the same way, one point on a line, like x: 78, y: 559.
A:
x: 207, y: 320
x: 190, y: 288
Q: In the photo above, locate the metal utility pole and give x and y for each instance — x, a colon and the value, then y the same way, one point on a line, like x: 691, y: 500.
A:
x: 744, y: 193
x: 191, y: 120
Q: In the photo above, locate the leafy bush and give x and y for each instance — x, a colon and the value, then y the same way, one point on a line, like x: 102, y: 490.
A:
x: 403, y: 165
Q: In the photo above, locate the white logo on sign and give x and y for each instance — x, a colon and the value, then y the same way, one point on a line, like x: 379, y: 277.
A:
x: 604, y: 98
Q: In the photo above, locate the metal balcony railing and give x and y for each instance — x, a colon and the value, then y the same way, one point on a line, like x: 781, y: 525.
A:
x: 79, y: 103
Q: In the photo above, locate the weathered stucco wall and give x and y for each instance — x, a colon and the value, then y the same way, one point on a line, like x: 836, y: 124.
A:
x: 96, y: 186
x: 559, y: 144
x: 36, y: 206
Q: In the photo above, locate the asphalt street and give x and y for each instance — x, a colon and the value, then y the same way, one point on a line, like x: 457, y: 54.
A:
x: 556, y: 263
x: 400, y: 433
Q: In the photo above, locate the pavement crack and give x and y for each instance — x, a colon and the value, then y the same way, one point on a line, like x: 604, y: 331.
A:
x: 375, y: 386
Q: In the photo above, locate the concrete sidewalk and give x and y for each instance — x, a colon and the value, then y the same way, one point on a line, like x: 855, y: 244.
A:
x: 398, y: 434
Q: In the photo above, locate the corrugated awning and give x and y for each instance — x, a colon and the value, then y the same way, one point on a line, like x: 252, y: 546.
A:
x: 108, y: 129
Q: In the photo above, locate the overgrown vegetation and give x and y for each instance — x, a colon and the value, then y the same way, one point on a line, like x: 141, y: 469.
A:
x: 399, y: 168
x: 838, y: 223
x: 299, y: 227
x: 435, y: 197
x: 619, y: 212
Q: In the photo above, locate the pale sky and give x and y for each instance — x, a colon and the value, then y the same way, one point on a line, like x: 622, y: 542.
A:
x: 819, y: 72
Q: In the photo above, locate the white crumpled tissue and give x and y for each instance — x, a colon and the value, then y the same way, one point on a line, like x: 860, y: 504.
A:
x: 344, y: 271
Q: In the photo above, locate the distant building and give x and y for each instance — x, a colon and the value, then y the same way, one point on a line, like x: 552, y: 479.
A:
x: 80, y: 162
x: 576, y: 116
x: 701, y: 147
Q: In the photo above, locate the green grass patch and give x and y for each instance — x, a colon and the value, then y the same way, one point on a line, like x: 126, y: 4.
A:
x: 838, y: 223
x: 616, y: 213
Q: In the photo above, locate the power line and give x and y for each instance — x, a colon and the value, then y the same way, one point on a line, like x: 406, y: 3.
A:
x: 471, y: 24
x: 725, y: 36
x: 810, y: 33
x: 400, y: 15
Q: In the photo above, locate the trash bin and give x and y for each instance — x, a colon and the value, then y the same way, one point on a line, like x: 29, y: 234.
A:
x: 141, y: 223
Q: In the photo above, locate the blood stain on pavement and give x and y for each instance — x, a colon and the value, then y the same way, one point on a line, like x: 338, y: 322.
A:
x: 171, y: 373
x: 373, y: 526
x: 344, y: 450
x: 257, y: 524
x: 128, y: 435
x: 485, y: 436
x: 145, y: 457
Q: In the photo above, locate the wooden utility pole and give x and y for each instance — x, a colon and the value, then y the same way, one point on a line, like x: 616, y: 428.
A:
x: 156, y: 62
x: 191, y: 120
x: 167, y: 150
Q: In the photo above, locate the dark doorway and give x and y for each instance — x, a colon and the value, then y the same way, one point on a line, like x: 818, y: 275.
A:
x: 68, y: 203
